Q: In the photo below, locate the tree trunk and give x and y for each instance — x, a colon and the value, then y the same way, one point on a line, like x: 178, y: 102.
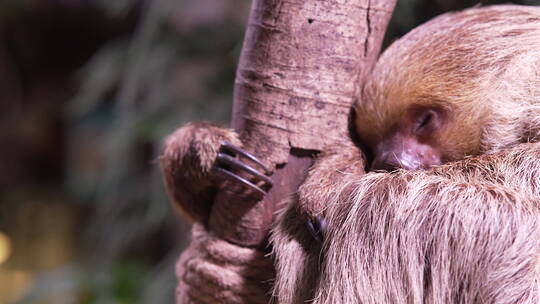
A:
x: 301, y: 65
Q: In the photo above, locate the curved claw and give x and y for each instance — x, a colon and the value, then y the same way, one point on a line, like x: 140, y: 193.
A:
x: 226, y: 161
x: 227, y: 146
x: 317, y: 227
x: 236, y: 164
x: 240, y: 179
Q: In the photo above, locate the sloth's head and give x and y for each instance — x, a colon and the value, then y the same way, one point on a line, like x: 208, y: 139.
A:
x: 419, y: 132
x: 417, y: 112
x: 444, y: 91
x: 412, y: 137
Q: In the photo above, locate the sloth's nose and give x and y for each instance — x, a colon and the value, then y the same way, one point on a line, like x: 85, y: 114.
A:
x: 405, y: 154
x: 394, y: 161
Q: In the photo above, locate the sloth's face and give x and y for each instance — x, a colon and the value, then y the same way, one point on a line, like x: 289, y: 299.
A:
x: 410, y: 141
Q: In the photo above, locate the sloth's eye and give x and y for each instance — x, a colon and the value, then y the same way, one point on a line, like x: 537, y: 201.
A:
x: 425, y: 120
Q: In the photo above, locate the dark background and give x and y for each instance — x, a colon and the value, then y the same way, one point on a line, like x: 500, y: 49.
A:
x: 88, y: 91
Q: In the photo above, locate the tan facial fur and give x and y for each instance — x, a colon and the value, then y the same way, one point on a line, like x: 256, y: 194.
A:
x: 481, y: 66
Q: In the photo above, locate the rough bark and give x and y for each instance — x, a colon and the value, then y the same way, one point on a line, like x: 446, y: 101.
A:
x: 300, y: 66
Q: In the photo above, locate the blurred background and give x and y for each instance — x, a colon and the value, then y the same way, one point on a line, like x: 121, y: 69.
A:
x: 88, y: 91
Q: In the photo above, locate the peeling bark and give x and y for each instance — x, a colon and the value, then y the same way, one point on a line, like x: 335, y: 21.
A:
x: 300, y: 67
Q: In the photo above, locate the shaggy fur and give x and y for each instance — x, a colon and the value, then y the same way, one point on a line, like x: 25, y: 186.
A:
x: 295, y: 250
x: 464, y: 232
x: 449, y: 235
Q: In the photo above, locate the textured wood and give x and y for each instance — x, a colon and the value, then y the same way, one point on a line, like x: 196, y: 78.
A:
x: 301, y: 64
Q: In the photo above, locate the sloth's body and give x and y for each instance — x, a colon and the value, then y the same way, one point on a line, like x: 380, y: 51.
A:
x: 462, y: 84
x: 460, y: 94
x: 468, y: 231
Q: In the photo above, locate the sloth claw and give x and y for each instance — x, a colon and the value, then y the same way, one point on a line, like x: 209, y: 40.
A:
x: 229, y: 175
x: 317, y: 227
x: 231, y: 149
x: 227, y: 163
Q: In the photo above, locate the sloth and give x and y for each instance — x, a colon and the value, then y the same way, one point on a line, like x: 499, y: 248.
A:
x: 449, y: 213
x: 449, y: 119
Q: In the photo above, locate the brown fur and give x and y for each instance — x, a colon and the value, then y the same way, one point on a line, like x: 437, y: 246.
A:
x: 449, y: 235
x: 213, y: 270
x: 464, y: 232
x: 295, y: 250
